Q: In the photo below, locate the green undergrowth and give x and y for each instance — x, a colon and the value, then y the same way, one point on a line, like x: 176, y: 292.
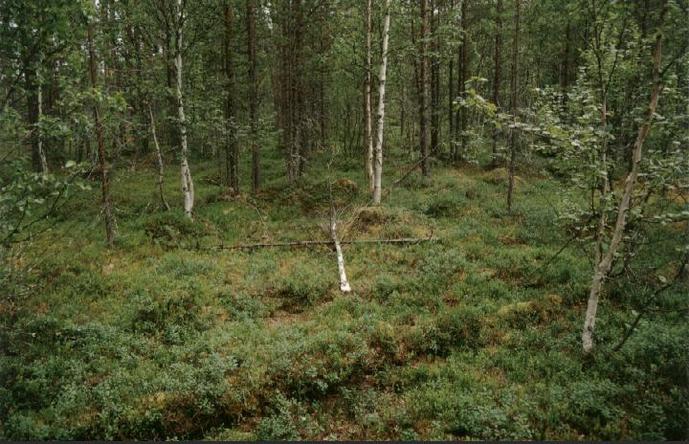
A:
x: 173, y: 335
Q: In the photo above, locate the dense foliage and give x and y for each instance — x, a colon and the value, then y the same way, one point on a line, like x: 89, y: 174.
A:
x: 535, y: 164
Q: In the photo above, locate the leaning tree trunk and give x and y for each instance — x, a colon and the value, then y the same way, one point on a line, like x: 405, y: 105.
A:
x: 159, y: 160
x: 185, y: 172
x: 603, y: 267
x: 253, y: 94
x: 378, y: 167
x: 368, y: 127
x: 110, y: 225
x: 514, y: 104
x: 424, y: 90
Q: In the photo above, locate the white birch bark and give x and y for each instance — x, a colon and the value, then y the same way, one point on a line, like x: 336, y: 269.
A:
x: 367, y: 101
x: 344, y: 283
x: 378, y: 166
x: 603, y: 267
x: 39, y: 133
x: 159, y: 161
x: 185, y: 172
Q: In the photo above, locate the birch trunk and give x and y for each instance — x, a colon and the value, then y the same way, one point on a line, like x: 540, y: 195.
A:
x: 496, y: 74
x: 378, y: 167
x: 34, y: 108
x: 159, y: 160
x: 368, y: 126
x: 603, y: 267
x: 39, y: 135
x: 514, y: 104
x: 185, y: 172
x: 344, y: 283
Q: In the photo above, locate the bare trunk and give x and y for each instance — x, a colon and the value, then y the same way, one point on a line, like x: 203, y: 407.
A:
x: 344, y: 283
x: 39, y: 134
x: 231, y: 145
x: 378, y: 167
x: 368, y: 130
x: 35, y: 111
x: 459, y: 144
x: 435, y: 79
x: 159, y: 160
x: 605, y: 264
x: 496, y: 74
x: 185, y: 172
x: 424, y: 90
x: 253, y: 94
x: 109, y: 217
x: 514, y: 104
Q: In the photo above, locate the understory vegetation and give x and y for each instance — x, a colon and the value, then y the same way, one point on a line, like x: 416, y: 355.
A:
x: 474, y: 334
x: 344, y: 219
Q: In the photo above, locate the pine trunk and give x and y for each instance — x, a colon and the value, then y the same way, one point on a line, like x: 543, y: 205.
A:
x: 424, y: 91
x: 253, y: 95
x: 514, y: 105
x: 231, y: 145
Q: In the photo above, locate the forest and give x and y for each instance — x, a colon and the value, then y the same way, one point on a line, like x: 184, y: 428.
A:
x: 344, y: 219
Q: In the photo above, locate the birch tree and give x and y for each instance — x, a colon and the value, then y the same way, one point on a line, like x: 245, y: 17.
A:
x: 368, y: 130
x: 378, y: 167
x: 497, y: 74
x: 185, y: 171
x: 514, y: 104
x: 603, y: 267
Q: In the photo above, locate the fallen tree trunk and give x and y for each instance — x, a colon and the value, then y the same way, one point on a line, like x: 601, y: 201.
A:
x: 344, y: 283
x: 308, y: 243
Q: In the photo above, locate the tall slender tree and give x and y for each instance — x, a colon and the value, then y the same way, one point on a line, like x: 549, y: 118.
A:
x: 424, y: 93
x: 603, y: 267
x: 185, y: 171
x: 382, y: 74
x: 368, y: 129
x: 108, y: 215
x: 231, y: 143
x: 253, y: 95
x: 514, y: 103
x: 497, y: 74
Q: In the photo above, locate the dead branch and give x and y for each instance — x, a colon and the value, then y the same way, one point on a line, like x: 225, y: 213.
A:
x: 309, y: 243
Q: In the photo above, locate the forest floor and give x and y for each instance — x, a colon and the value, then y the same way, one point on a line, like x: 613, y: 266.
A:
x: 475, y: 335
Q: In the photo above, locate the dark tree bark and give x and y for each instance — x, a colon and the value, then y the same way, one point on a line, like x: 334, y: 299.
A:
x: 231, y: 145
x: 435, y: 79
x: 424, y: 89
x: 253, y: 95
x: 496, y: 74
x: 108, y: 215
